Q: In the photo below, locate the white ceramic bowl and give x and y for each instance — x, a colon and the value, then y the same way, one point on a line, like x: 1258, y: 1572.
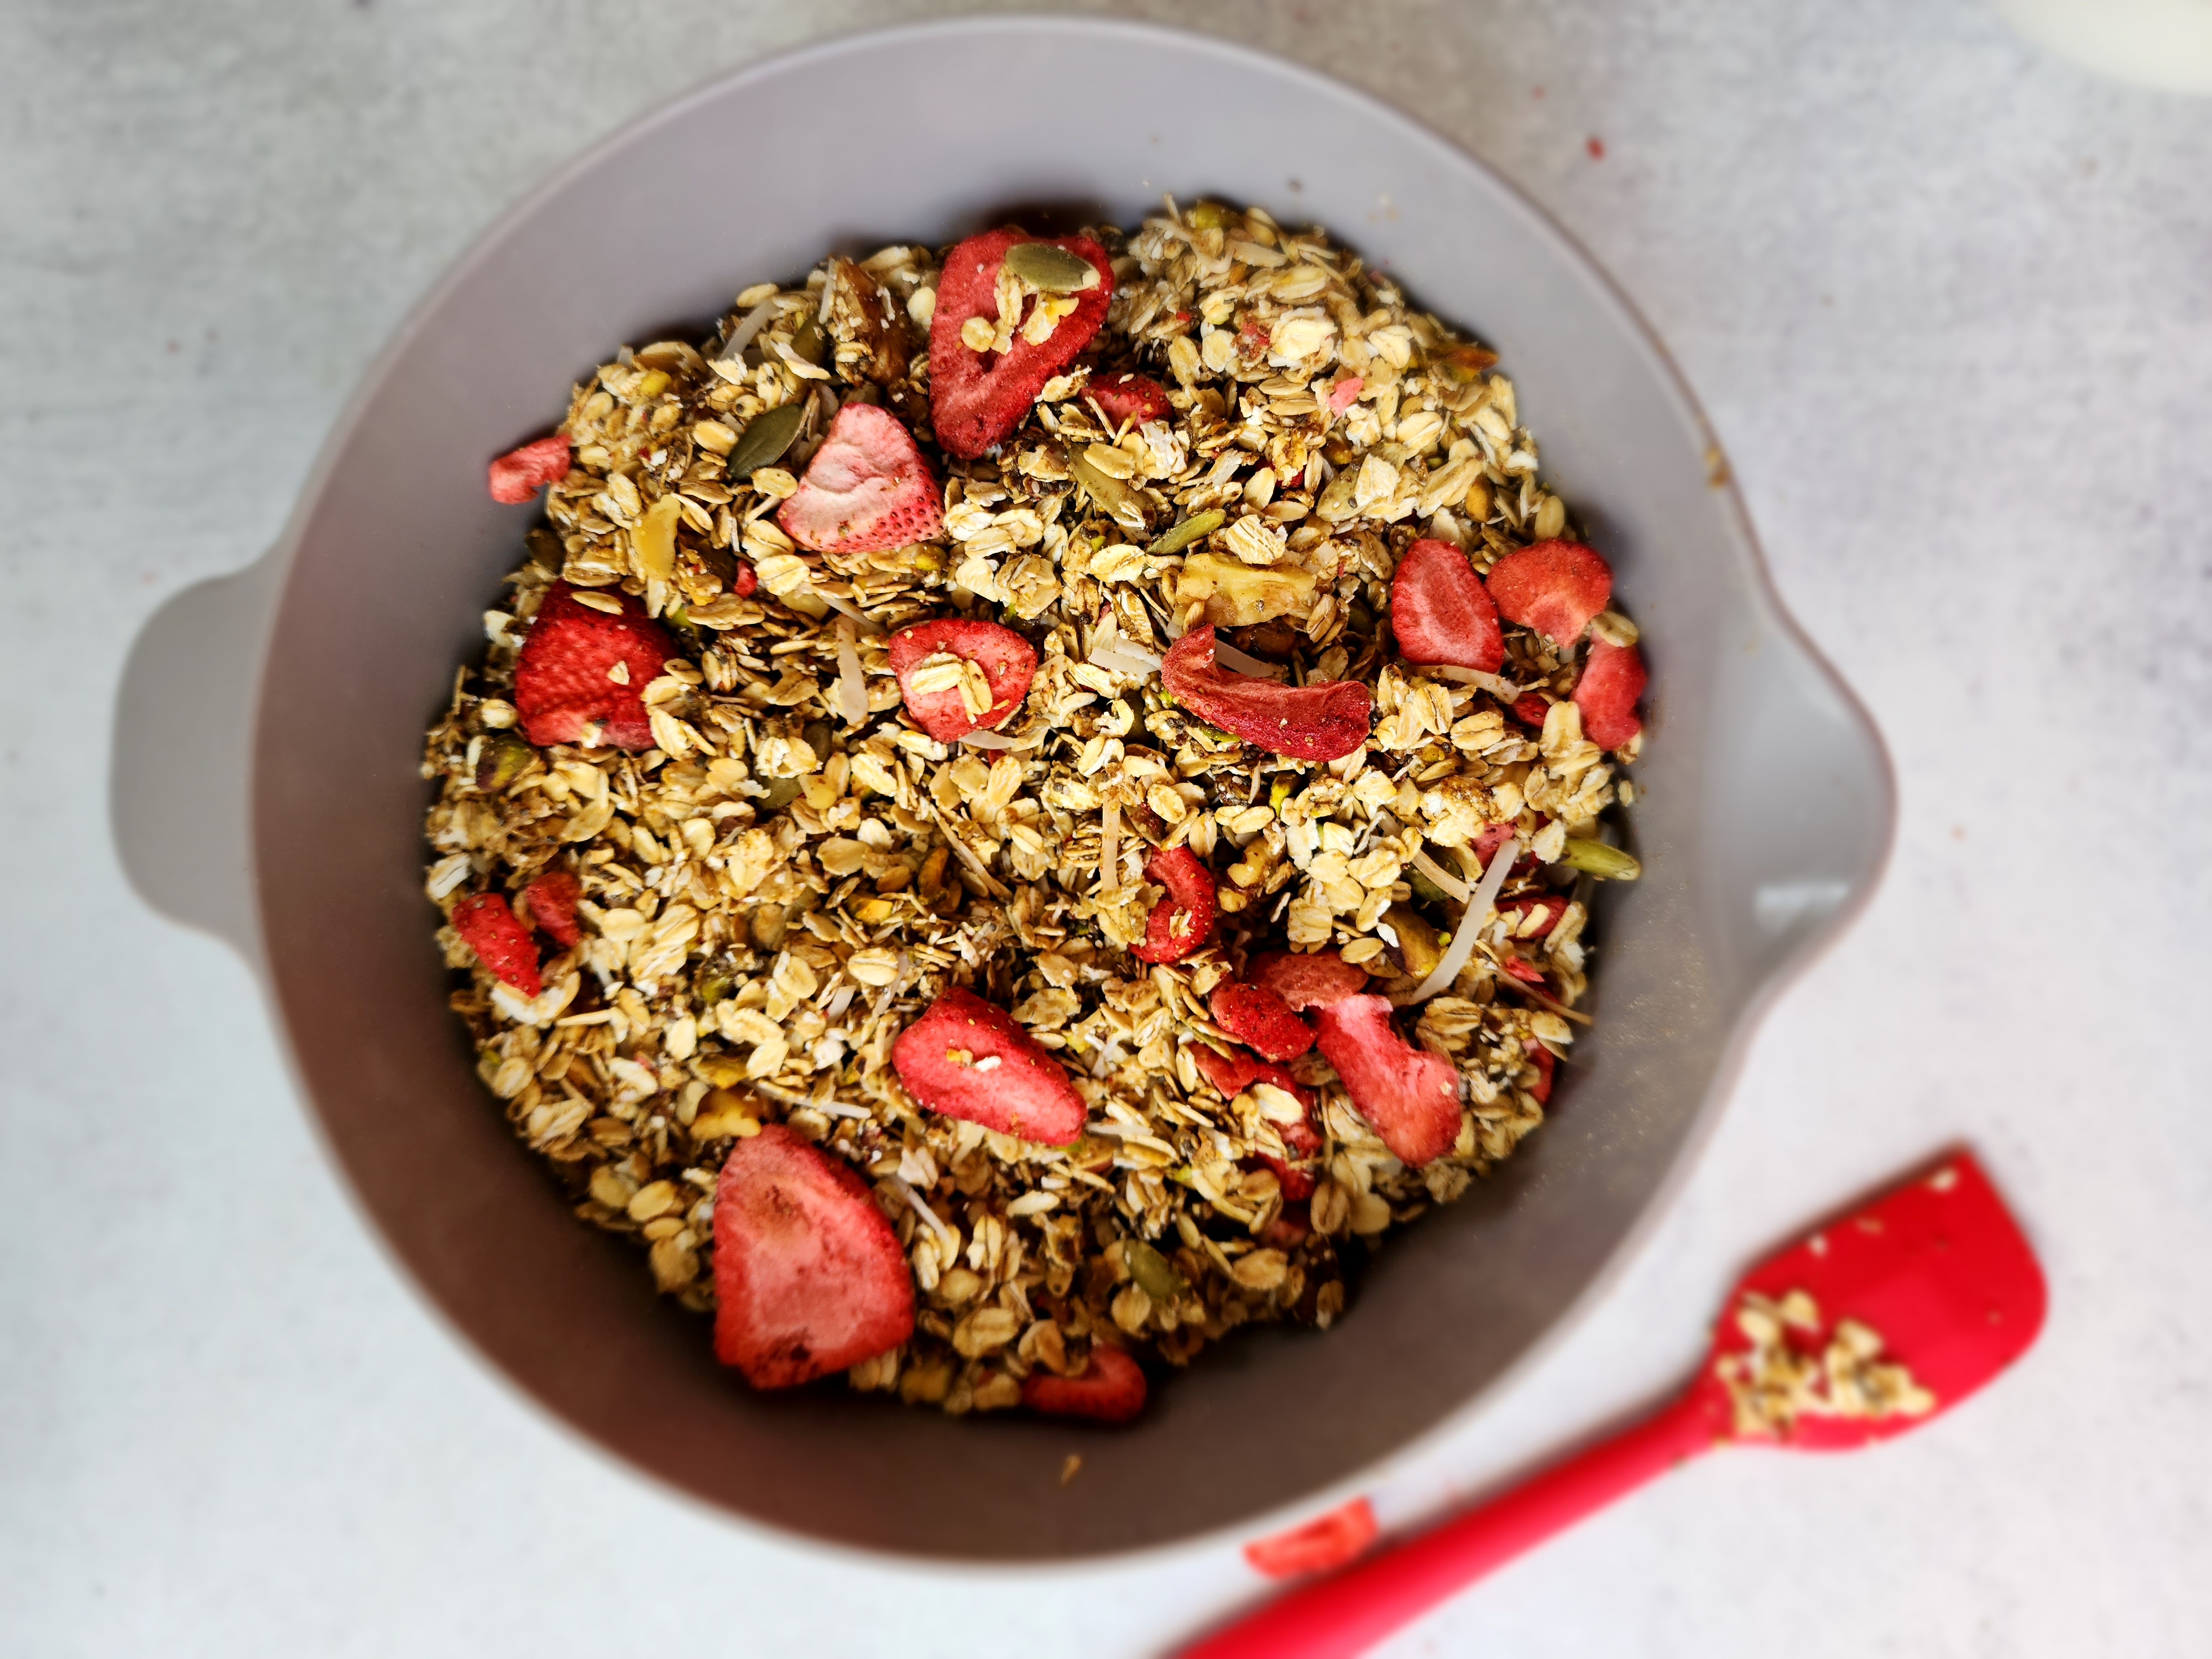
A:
x: 270, y: 725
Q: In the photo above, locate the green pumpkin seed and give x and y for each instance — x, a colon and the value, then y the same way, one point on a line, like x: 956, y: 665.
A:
x: 1425, y: 889
x: 811, y: 343
x: 1595, y: 858
x: 501, y: 761
x: 1198, y: 526
x: 782, y: 792
x: 764, y: 441
x: 1151, y: 1270
x: 1051, y: 270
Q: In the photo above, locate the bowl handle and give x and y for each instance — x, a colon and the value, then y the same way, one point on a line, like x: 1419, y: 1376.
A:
x: 1800, y: 803
x: 180, y: 767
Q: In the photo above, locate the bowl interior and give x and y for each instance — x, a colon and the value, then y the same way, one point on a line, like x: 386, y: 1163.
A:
x: 1764, y: 810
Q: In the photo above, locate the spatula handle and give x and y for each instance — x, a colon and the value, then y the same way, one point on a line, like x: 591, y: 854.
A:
x: 1345, y: 1615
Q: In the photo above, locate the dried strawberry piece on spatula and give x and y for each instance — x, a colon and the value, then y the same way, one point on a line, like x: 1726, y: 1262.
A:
x: 1441, y: 612
x: 1554, y: 587
x: 489, y: 927
x: 868, y: 488
x: 583, y: 668
x: 979, y: 395
x: 1007, y: 660
x: 809, y: 1278
x: 1613, y: 678
x: 967, y: 1058
x: 1410, y: 1096
x: 1183, y: 921
x: 1322, y: 723
x: 1109, y: 1389
x: 1260, y: 1019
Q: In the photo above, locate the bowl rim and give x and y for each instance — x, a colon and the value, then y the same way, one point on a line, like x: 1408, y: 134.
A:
x: 1750, y: 563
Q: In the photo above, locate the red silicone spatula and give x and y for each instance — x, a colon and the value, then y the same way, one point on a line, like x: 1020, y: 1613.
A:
x: 1937, y: 1268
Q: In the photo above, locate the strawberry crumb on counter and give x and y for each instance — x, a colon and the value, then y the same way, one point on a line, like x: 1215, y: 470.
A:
x: 964, y: 841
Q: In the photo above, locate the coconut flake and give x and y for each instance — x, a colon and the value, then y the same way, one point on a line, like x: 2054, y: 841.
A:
x: 1460, y: 951
x: 983, y: 739
x: 1230, y: 657
x: 1117, y: 655
x: 742, y: 335
x: 861, y: 619
x: 945, y: 1237
x: 851, y: 690
x: 1504, y: 689
x: 1453, y: 887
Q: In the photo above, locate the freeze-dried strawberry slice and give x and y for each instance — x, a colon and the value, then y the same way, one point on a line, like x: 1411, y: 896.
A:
x: 582, y: 667
x: 1554, y: 587
x: 1128, y: 399
x: 551, y: 901
x: 1260, y: 1019
x: 488, y: 927
x: 520, y: 473
x: 1442, y: 613
x: 1493, y: 836
x: 968, y: 1059
x: 1234, y: 1073
x: 974, y: 403
x: 1549, y: 906
x: 1545, y: 1064
x: 1301, y: 1141
x: 1530, y: 709
x: 1410, y: 1096
x: 1183, y: 921
x: 1312, y: 722
x: 868, y: 488
x: 1522, y: 970
x: 1008, y: 662
x: 1307, y: 981
x: 1109, y: 1389
x: 809, y: 1278
x: 1612, y: 680
x: 1320, y: 1546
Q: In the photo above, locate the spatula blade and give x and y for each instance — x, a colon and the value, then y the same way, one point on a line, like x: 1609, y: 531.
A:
x: 1937, y: 1268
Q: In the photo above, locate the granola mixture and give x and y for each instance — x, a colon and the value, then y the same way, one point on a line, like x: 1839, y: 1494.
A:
x: 793, y: 871
x: 1777, y: 1382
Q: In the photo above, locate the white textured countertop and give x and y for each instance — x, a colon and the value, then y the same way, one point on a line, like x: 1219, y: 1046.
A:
x: 1949, y: 304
